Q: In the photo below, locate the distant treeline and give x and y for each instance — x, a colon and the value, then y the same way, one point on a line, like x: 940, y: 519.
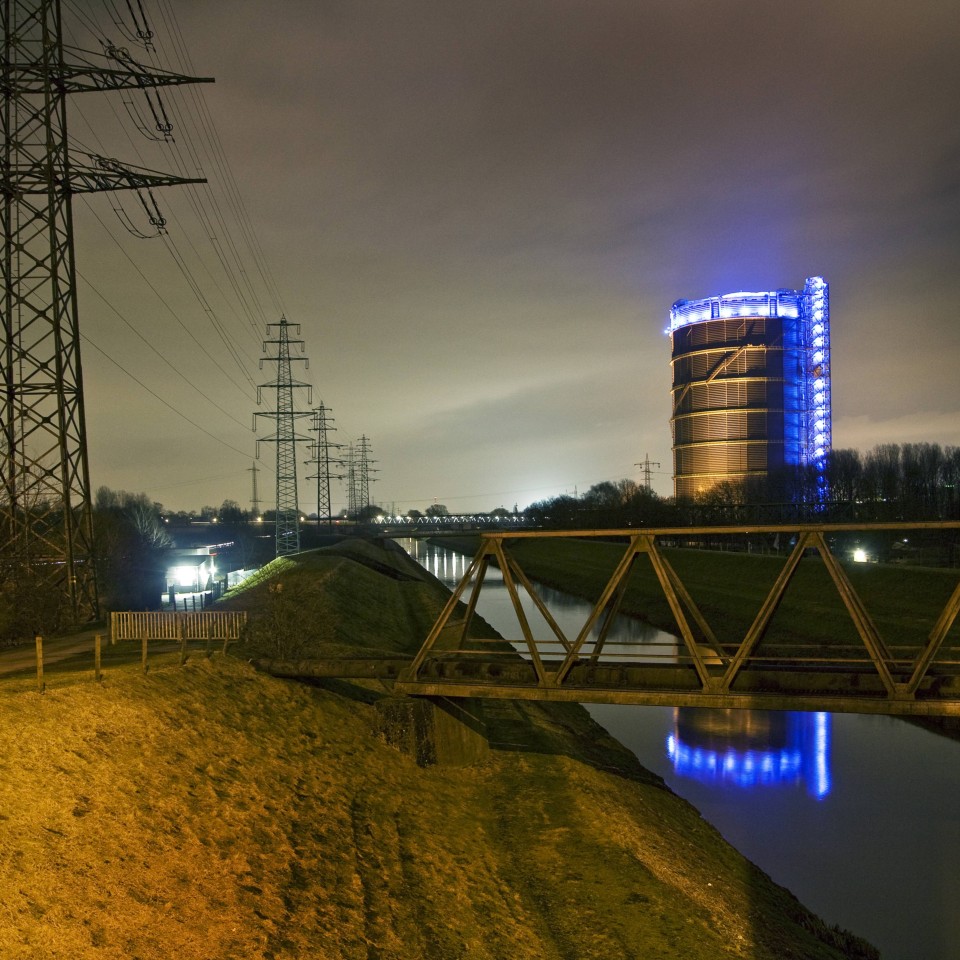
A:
x: 910, y: 481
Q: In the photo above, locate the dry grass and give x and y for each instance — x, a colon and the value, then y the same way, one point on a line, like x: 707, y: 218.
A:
x: 211, y: 813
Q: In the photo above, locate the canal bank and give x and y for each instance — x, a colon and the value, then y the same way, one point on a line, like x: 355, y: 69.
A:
x: 856, y: 815
x: 558, y: 844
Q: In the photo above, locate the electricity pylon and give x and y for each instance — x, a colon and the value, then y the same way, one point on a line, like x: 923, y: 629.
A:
x: 321, y: 457
x: 285, y: 436
x: 351, y: 478
x: 362, y: 471
x: 46, y: 527
x: 647, y: 465
x: 255, y: 499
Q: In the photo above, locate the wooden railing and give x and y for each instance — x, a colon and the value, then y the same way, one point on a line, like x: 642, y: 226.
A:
x: 156, y: 625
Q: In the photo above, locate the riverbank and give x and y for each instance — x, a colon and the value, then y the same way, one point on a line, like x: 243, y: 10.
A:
x: 213, y: 812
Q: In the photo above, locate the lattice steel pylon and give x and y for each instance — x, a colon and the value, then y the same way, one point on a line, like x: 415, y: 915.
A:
x: 285, y: 436
x: 321, y: 457
x: 362, y: 471
x: 46, y: 529
x: 255, y: 498
x: 351, y: 478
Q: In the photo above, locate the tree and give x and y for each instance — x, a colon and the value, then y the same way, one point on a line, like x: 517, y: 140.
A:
x: 130, y: 540
x: 437, y: 510
x: 845, y: 475
x: 231, y: 512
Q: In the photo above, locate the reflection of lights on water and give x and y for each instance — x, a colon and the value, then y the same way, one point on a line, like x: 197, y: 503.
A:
x: 805, y: 756
x: 821, y: 740
x: 746, y: 769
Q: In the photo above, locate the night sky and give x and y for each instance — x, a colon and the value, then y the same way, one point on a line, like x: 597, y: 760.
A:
x: 481, y: 213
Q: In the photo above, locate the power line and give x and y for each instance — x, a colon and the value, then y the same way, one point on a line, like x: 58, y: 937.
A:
x: 157, y: 396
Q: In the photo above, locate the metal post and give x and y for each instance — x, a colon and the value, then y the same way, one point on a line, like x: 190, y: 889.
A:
x: 41, y: 686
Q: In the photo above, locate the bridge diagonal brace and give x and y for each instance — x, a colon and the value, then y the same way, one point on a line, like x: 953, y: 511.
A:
x: 937, y: 635
x: 474, y: 596
x: 673, y: 599
x: 538, y: 602
x: 868, y: 632
x: 508, y: 582
x: 689, y: 603
x: 765, y: 614
x: 612, y: 611
x: 480, y: 560
x: 616, y: 581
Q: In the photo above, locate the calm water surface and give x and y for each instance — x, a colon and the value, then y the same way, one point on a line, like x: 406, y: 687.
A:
x: 858, y: 816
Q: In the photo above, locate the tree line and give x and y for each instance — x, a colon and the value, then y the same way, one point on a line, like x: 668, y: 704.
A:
x: 910, y: 481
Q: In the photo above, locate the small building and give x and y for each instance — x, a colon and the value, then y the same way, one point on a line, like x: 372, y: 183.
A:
x: 198, y: 569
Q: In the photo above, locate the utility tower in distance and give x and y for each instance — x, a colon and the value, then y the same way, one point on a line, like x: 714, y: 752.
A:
x: 255, y: 500
x: 46, y: 528
x: 362, y: 471
x: 285, y: 437
x: 647, y: 465
x: 321, y: 449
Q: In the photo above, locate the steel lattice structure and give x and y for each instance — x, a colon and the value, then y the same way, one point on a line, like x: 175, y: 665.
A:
x: 363, y: 469
x: 321, y: 457
x: 45, y: 505
x: 285, y: 436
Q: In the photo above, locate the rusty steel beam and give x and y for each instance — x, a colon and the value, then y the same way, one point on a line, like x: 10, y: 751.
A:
x: 711, y: 673
x: 571, y: 693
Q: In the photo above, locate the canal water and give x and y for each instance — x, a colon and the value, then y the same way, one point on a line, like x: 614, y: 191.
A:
x: 858, y: 816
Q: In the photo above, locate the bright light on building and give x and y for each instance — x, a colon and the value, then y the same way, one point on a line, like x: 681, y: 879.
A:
x: 859, y: 555
x: 185, y: 576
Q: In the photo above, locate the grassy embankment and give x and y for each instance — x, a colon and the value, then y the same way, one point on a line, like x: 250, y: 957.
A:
x: 208, y: 811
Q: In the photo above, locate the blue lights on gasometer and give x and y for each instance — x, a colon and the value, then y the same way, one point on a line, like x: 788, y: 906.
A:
x: 810, y: 309
x: 815, y: 340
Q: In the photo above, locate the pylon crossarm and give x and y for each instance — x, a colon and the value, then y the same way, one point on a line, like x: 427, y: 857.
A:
x: 767, y: 609
x: 504, y: 565
x: 876, y: 649
x: 676, y: 608
x: 937, y: 635
x: 616, y: 578
x: 538, y: 602
x: 447, y: 612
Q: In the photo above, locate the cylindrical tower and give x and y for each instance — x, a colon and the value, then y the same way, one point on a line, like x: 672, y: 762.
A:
x: 751, y: 385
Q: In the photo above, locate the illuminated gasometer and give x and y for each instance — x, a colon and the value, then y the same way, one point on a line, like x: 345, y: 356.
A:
x: 751, y: 387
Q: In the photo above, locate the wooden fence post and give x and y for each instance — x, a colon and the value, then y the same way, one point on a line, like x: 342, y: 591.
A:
x: 208, y: 639
x: 97, y: 640
x: 183, y: 643
x: 143, y: 650
x: 40, y: 684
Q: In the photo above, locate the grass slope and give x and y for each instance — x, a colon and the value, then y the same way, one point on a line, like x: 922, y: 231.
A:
x: 208, y: 811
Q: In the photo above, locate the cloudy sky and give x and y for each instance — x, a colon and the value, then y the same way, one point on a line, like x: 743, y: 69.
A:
x: 480, y: 214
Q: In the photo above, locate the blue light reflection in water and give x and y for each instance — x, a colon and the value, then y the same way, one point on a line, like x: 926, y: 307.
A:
x: 749, y: 748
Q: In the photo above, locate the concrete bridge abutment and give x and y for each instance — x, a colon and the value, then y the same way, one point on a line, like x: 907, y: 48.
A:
x: 434, y: 730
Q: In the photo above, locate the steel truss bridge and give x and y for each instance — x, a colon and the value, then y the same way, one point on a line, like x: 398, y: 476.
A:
x: 866, y: 673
